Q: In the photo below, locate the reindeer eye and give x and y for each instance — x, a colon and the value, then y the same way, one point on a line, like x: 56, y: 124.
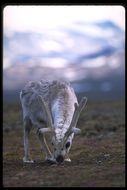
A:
x: 67, y: 144
x: 52, y: 144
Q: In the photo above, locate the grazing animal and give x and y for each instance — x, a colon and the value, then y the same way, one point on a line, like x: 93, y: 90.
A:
x: 51, y: 106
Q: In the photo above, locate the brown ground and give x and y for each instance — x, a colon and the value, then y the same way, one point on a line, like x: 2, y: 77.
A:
x: 98, y: 154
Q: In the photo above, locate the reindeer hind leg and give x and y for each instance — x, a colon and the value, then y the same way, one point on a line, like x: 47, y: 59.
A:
x: 27, y: 128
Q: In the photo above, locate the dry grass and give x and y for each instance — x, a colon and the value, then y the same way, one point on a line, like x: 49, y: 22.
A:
x: 98, y: 154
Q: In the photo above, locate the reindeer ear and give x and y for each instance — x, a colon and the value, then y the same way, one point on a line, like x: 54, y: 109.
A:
x: 76, y: 131
x: 44, y: 130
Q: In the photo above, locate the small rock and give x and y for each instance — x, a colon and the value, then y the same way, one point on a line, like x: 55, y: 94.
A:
x: 100, y: 136
x: 98, y: 161
x: 106, y: 155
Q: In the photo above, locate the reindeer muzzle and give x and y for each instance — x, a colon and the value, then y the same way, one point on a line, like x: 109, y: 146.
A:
x: 59, y: 159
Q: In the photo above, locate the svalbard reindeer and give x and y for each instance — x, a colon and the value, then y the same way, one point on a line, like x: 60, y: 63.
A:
x: 51, y: 106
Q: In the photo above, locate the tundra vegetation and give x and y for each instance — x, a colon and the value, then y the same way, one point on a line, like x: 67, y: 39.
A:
x: 97, y: 154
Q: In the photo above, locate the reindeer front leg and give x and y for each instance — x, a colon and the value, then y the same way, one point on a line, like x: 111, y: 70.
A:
x: 44, y: 146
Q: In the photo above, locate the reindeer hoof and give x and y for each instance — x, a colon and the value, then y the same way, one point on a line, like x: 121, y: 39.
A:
x: 28, y: 160
x: 50, y: 160
x: 67, y: 160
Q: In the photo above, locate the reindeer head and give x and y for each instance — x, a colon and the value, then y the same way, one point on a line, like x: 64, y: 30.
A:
x: 62, y: 141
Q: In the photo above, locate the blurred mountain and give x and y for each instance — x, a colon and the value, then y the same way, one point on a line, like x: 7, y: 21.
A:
x: 89, y: 55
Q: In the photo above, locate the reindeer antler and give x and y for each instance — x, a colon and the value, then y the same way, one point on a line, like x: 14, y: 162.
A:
x: 50, y: 123
x: 78, y: 109
x: 45, y: 107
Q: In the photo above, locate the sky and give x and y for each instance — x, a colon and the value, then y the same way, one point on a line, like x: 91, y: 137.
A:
x: 38, y: 18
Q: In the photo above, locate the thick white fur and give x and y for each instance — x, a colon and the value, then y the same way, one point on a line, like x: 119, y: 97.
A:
x: 60, y: 99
